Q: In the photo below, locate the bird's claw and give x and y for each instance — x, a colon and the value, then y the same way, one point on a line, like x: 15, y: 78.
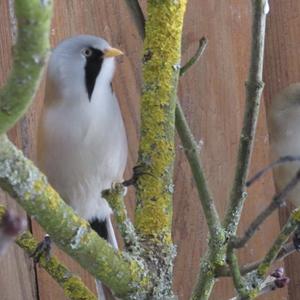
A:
x: 44, y: 247
x: 137, y: 172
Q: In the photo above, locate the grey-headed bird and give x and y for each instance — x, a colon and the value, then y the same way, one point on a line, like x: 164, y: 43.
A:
x: 82, y: 143
x: 284, y: 127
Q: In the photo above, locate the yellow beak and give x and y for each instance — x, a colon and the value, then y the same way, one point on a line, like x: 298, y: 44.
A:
x: 112, y: 52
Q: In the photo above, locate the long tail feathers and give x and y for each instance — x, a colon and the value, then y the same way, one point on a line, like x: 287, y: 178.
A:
x: 111, y: 234
x: 111, y: 238
x: 100, y: 290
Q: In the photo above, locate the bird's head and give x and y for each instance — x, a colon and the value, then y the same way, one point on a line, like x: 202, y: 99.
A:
x: 79, y: 63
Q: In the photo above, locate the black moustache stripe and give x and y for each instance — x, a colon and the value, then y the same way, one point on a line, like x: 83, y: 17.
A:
x: 92, y: 69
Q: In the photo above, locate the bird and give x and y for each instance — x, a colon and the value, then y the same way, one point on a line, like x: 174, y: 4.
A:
x: 284, y: 129
x: 82, y: 142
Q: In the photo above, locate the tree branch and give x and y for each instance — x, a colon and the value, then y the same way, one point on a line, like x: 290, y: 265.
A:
x: 254, y: 87
x: 281, y: 160
x: 269, y: 286
x: 22, y: 180
x: 255, y: 280
x: 238, y: 280
x: 115, y: 199
x: 156, y: 151
x: 153, y: 214
x: 277, y: 202
x: 195, y: 58
x: 206, y: 278
x: 72, y: 285
x: 188, y: 141
x: 291, y: 225
x: 214, y: 256
x: 29, y: 55
x: 192, y: 153
x: 285, y: 251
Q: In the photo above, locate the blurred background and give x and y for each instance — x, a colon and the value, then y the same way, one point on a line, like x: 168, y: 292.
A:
x: 212, y: 96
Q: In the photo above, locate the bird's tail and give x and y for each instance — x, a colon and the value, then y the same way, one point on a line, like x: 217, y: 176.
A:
x: 100, y: 290
x: 111, y: 238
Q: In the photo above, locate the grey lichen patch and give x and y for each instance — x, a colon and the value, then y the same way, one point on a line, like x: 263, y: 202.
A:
x: 141, y: 293
x: 114, y: 197
x: 22, y: 180
x: 253, y: 280
x: 77, y: 240
x: 159, y: 258
x: 14, y: 170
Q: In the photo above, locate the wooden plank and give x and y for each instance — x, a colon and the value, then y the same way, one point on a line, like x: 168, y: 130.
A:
x: 283, y: 68
x: 212, y: 95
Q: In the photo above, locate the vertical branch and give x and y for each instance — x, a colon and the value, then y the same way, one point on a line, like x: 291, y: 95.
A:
x: 206, y: 279
x: 156, y: 153
x: 185, y: 134
x: 254, y: 87
x: 191, y: 152
x: 238, y: 280
x: 29, y: 55
x: 115, y: 198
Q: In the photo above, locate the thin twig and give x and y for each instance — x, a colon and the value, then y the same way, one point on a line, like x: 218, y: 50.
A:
x: 285, y: 251
x: 201, y: 48
x: 72, y: 285
x: 138, y: 16
x: 281, y: 160
x: 115, y: 198
x: 277, y: 202
x: 238, y: 280
x: 291, y: 225
x: 254, y: 284
x: 269, y: 286
x: 192, y: 153
x: 206, y: 278
x: 254, y: 87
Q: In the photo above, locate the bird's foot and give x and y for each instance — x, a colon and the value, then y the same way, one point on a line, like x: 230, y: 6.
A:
x: 137, y: 172
x: 44, y: 247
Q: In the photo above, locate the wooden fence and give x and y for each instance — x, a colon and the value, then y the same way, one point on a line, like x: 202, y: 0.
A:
x: 212, y: 95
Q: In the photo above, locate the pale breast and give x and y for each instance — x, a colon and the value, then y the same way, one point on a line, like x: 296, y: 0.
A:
x: 84, y: 150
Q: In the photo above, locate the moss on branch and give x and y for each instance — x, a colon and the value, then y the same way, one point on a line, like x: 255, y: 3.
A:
x: 29, y: 56
x: 72, y: 285
x: 115, y: 198
x: 22, y: 180
x: 156, y: 153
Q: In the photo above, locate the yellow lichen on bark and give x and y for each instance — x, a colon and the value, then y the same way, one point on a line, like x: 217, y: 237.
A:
x: 156, y: 153
x: 23, y: 181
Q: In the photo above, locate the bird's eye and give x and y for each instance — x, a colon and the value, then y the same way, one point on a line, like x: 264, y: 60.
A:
x: 87, y: 52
